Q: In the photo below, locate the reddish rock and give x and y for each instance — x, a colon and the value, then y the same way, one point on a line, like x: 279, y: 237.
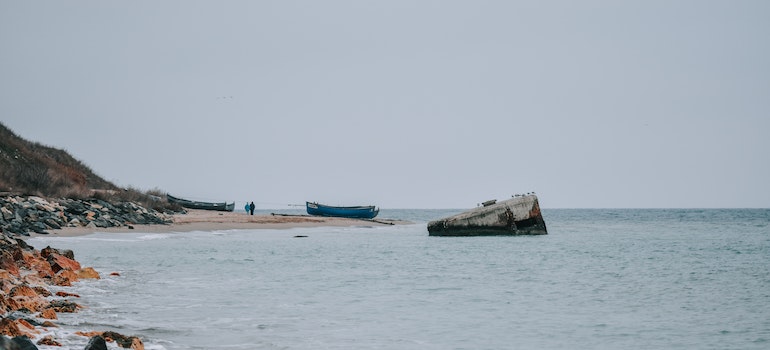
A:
x: 49, y: 314
x: 48, y: 340
x: 90, y: 334
x: 48, y: 251
x: 88, y: 272
x: 136, y: 344
x: 35, y: 280
x: 10, y: 328
x: 133, y: 343
x: 41, y: 266
x: 65, y: 294
x: 15, y: 328
x: 7, y: 284
x: 65, y: 278
x: 49, y: 324
x: 23, y: 290
x: 7, y: 263
x: 114, y: 274
x: 8, y: 304
x: 61, y: 262
x: 33, y: 304
x: 41, y: 291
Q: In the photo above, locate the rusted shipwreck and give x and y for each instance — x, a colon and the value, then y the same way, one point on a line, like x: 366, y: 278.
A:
x: 519, y: 215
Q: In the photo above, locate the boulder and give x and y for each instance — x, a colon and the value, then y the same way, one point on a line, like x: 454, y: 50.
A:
x: 24, y: 343
x: 64, y: 306
x: 8, y: 344
x: 61, y: 262
x: 48, y: 314
x: 22, y: 290
x: 127, y: 342
x: 65, y: 278
x: 96, y: 343
x: 48, y: 341
x: 87, y: 272
x: 8, y: 263
x: 6, y: 214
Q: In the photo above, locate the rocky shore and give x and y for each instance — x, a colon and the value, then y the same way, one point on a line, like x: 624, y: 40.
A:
x: 30, y: 278
x: 30, y: 302
x: 33, y: 282
x: 21, y: 215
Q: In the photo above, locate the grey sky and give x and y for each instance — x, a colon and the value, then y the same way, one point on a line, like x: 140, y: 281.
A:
x: 401, y: 104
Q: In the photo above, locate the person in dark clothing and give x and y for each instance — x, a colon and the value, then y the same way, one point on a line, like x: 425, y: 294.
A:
x: 251, y: 208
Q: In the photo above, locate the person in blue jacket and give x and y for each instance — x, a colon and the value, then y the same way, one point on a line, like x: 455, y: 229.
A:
x: 247, y: 207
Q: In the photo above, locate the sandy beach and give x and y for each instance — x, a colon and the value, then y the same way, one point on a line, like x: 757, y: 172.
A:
x: 206, y: 220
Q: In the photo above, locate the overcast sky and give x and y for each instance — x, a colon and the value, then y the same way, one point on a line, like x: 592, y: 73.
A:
x: 401, y: 104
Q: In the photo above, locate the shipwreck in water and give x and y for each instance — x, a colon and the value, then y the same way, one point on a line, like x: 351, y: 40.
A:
x: 519, y: 215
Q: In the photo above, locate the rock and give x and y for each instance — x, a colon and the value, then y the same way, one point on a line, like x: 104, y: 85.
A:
x: 52, y: 224
x: 64, y: 306
x: 96, y: 343
x: 22, y: 290
x: 88, y: 272
x: 49, y: 324
x: 48, y: 251
x: 61, y: 262
x: 41, y: 291
x: 65, y: 278
x: 125, y: 342
x: 49, y: 314
x: 7, y: 263
x: 7, y: 214
x: 24, y: 343
x: 8, y: 344
x: 10, y: 327
x: 31, y: 304
x: 49, y: 341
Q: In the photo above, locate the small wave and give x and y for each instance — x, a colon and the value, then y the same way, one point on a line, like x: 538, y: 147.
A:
x: 154, y: 236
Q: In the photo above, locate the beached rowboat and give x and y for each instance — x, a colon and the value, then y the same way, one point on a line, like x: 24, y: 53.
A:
x: 361, y: 212
x: 222, y: 206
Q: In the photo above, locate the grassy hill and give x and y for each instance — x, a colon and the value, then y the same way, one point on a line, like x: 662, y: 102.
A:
x: 29, y: 168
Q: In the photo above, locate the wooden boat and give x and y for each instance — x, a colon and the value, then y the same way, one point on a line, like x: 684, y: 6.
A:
x: 519, y: 215
x: 361, y: 212
x: 223, y: 206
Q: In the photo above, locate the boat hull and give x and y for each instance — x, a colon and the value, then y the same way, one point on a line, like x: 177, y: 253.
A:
x: 516, y: 216
x: 362, y: 212
x: 222, y: 206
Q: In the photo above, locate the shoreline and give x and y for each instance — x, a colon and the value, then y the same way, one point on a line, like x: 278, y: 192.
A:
x: 206, y: 220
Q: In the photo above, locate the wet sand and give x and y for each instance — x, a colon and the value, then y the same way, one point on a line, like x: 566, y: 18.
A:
x: 206, y: 220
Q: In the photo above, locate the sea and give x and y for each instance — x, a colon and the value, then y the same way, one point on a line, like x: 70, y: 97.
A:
x: 600, y: 279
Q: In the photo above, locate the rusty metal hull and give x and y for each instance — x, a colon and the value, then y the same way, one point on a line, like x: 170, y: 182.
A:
x: 516, y: 216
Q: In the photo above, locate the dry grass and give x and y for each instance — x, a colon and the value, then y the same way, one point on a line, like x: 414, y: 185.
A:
x: 29, y: 168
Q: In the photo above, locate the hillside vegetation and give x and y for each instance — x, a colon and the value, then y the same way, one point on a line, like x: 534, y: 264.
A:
x: 30, y: 168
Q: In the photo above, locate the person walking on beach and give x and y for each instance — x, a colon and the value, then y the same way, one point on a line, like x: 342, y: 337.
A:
x: 247, y: 207
x: 251, y: 208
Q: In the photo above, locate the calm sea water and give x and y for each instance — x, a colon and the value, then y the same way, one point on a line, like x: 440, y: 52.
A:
x: 601, y: 279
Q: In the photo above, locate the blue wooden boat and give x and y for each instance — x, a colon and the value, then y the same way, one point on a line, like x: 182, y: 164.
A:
x: 361, y: 212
